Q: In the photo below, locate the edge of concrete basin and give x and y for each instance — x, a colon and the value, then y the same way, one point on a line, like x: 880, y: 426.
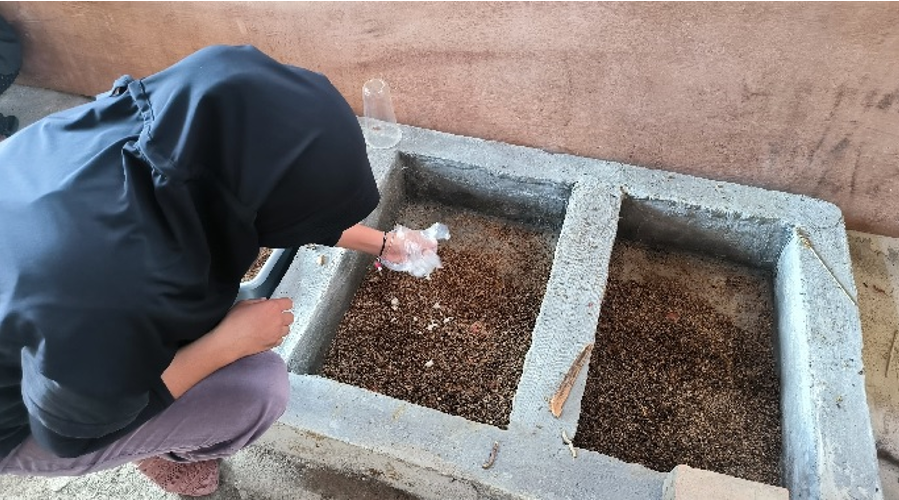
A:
x: 828, y: 447
x: 435, y: 455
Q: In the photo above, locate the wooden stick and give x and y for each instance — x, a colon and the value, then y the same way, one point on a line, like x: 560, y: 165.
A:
x: 890, y: 356
x: 558, y: 400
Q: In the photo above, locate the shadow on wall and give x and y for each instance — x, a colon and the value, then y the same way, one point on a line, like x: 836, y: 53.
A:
x: 694, y: 88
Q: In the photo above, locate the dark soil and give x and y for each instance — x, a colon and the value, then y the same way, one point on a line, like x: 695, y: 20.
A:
x: 683, y: 370
x: 455, y: 342
x: 264, y: 254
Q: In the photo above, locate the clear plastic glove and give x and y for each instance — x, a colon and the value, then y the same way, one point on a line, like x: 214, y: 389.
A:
x: 413, y: 251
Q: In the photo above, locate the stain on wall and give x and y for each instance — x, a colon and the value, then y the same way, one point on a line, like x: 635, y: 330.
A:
x: 798, y: 97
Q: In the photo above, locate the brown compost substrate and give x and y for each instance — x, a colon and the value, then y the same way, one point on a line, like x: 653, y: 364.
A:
x: 679, y: 375
x: 264, y: 254
x: 454, y: 342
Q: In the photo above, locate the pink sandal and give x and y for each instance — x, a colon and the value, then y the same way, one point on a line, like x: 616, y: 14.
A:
x: 193, y: 479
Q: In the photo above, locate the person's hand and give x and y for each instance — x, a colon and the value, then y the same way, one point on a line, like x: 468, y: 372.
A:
x: 250, y: 327
x: 412, y: 251
x: 256, y: 325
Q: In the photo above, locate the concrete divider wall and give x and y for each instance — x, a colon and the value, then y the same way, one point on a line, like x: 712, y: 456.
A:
x: 828, y: 445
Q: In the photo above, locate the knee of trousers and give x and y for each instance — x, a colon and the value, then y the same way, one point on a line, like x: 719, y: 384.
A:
x: 263, y: 386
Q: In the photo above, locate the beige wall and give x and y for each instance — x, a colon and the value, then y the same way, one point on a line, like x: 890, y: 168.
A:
x: 796, y: 97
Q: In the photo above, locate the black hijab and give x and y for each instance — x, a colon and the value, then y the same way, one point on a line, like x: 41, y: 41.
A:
x: 127, y: 224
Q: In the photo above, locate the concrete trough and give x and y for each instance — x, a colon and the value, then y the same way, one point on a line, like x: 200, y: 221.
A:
x: 269, y: 276
x: 828, y: 448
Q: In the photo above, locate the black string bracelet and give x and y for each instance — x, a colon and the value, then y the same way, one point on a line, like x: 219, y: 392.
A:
x: 381, y: 253
x: 383, y: 245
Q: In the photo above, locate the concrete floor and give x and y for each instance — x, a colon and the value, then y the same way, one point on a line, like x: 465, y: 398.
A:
x: 262, y: 473
x: 875, y: 262
x: 256, y: 473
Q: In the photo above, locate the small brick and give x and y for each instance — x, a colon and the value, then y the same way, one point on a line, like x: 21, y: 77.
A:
x: 687, y: 483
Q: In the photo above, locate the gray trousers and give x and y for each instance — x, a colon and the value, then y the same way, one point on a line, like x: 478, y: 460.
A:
x: 214, y: 419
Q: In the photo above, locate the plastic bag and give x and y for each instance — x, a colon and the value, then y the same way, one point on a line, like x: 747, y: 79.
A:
x: 419, y: 249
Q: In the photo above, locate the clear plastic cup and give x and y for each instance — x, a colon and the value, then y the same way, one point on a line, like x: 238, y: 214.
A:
x: 379, y: 124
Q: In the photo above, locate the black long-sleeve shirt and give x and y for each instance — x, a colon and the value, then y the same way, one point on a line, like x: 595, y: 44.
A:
x: 127, y: 223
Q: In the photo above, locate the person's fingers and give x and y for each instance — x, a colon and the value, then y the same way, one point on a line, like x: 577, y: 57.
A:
x: 282, y: 334
x: 284, y: 303
x: 247, y: 302
x: 287, y: 317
